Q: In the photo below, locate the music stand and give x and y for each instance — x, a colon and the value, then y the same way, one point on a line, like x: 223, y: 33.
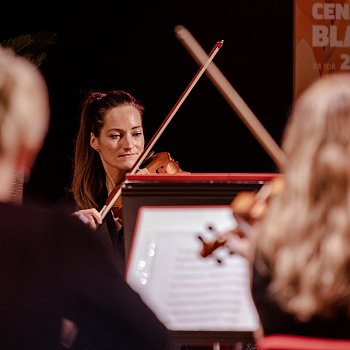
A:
x: 151, y: 194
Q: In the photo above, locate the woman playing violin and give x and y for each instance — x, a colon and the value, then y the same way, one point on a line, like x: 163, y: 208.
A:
x: 109, y: 141
x: 300, y: 247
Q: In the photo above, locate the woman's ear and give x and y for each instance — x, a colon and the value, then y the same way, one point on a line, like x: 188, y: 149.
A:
x: 94, y: 142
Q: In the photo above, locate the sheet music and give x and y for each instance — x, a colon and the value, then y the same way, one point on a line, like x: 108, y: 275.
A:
x: 185, y: 290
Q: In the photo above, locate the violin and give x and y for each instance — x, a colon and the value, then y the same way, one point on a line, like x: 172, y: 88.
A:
x: 247, y: 208
x: 159, y: 163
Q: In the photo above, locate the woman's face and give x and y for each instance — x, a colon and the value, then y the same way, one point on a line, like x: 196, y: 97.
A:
x: 121, y: 140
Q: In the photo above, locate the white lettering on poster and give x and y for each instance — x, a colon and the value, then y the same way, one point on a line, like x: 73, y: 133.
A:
x: 323, y: 35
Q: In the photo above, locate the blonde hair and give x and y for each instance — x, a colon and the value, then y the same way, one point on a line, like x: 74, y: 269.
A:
x: 24, y: 106
x: 304, y: 238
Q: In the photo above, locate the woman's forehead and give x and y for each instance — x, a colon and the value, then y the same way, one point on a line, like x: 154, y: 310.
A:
x: 123, y: 117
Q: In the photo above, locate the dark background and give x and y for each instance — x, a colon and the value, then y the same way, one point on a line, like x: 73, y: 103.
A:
x: 132, y: 46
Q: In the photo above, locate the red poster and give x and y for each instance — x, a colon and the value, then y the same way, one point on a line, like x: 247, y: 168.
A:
x: 321, y: 40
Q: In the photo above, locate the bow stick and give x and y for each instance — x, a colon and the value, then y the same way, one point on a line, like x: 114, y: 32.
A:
x: 165, y: 123
x: 232, y: 97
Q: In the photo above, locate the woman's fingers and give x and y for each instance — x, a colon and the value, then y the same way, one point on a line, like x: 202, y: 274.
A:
x: 90, y: 217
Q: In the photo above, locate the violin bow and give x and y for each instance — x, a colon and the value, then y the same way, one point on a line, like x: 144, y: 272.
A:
x: 232, y: 97
x: 204, y: 66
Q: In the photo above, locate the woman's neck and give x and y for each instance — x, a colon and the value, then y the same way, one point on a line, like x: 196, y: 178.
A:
x: 112, y: 180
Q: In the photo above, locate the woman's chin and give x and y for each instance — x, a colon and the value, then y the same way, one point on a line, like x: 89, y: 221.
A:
x: 126, y: 165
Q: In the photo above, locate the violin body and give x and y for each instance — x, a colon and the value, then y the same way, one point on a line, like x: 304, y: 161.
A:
x: 162, y: 163
x: 159, y: 163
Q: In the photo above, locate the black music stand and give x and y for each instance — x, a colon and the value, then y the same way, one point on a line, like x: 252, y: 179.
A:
x: 196, y: 190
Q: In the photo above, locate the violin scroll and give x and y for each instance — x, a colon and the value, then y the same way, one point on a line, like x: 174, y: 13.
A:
x: 247, y: 208
x: 208, y: 247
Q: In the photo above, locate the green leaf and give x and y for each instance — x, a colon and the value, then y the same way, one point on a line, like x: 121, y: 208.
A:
x: 31, y: 46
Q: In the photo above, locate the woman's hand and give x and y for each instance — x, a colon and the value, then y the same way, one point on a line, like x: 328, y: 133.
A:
x: 90, y: 217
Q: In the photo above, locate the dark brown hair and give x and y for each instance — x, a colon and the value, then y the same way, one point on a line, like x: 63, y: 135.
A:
x: 88, y: 173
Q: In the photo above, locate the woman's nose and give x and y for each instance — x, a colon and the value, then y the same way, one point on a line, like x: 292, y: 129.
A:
x: 128, y: 141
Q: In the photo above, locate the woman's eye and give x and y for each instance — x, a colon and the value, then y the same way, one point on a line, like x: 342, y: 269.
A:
x: 137, y: 134
x: 115, y: 136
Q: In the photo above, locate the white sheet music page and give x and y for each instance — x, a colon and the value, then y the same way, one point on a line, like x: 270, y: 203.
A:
x: 186, y: 291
